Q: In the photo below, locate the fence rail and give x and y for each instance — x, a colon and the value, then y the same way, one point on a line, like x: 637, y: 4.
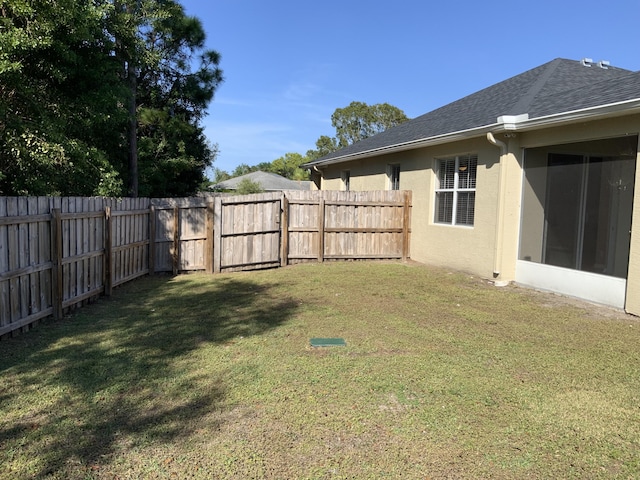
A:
x: 58, y: 253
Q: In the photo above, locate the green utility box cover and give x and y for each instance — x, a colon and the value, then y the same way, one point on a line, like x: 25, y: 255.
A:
x: 328, y: 342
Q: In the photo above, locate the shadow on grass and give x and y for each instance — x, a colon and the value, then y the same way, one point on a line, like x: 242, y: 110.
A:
x: 119, y: 375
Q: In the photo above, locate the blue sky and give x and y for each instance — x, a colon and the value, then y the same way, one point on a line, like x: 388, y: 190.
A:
x: 289, y: 64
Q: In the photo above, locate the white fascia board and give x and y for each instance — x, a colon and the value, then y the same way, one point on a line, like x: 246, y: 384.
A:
x: 592, y: 113
x: 400, y: 147
x: 504, y: 123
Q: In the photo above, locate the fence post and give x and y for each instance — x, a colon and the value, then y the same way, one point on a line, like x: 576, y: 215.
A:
x: 176, y: 240
x: 56, y: 257
x: 208, y: 244
x: 108, y: 252
x: 217, y: 235
x: 321, y: 230
x: 152, y: 239
x: 406, y: 222
x: 284, y: 232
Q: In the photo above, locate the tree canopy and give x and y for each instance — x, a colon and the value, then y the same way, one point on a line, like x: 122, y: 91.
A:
x: 247, y: 186
x: 356, y: 122
x: 101, y: 96
x: 287, y: 166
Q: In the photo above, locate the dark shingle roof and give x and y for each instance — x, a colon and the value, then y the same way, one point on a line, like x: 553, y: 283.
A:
x: 555, y: 87
x: 267, y: 180
x: 606, y: 92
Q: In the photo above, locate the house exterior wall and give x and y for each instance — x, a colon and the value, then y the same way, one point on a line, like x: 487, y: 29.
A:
x: 632, y: 304
x: 511, y: 201
x: 455, y: 247
x: 490, y: 248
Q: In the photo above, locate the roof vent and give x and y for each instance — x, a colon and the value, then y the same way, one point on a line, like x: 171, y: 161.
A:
x: 604, y: 64
x: 587, y: 62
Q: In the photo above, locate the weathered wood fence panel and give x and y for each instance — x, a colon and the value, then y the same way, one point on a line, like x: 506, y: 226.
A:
x: 163, y: 239
x: 329, y: 225
x: 250, y: 228
x: 181, y: 234
x: 130, y: 252
x: 25, y: 262
x: 54, y: 255
x: 58, y: 253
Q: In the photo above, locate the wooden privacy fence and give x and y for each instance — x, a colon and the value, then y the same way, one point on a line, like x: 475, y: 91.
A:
x: 57, y: 253
x: 336, y: 225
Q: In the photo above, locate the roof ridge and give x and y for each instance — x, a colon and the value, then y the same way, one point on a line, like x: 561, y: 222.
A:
x: 524, y: 103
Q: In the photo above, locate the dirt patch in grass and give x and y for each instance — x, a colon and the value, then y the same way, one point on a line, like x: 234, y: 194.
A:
x: 443, y: 376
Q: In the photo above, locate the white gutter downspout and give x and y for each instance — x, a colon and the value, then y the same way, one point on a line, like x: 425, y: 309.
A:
x: 497, y: 254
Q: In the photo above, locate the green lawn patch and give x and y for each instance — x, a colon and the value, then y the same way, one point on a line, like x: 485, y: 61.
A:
x: 214, y: 376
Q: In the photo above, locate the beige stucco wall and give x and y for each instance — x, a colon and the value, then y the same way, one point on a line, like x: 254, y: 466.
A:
x: 633, y: 278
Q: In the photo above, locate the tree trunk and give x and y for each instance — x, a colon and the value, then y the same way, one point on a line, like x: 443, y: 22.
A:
x: 133, y: 132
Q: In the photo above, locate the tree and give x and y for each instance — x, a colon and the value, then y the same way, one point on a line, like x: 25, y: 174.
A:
x: 96, y: 93
x: 242, y: 169
x: 247, y: 186
x: 263, y: 167
x: 324, y: 146
x: 356, y: 122
x: 59, y: 95
x: 220, y: 176
x: 288, y: 166
x: 171, y: 78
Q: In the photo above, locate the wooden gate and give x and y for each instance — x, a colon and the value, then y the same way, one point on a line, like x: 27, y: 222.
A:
x: 249, y: 233
x: 180, y: 234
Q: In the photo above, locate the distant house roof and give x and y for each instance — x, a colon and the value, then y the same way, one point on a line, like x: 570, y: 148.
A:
x: 559, y: 86
x: 268, y: 181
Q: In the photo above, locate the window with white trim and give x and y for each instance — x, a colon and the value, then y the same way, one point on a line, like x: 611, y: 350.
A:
x: 456, y: 190
x: 393, y: 173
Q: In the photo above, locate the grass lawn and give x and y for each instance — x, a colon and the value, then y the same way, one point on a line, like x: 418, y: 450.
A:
x: 443, y: 376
